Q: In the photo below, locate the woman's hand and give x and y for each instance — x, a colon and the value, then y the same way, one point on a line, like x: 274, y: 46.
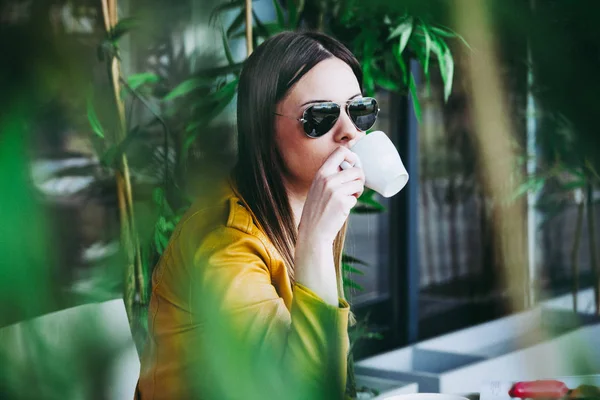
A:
x: 334, y: 192
x: 332, y: 195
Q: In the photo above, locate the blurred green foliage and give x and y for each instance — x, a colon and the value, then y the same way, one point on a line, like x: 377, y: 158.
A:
x: 40, y: 68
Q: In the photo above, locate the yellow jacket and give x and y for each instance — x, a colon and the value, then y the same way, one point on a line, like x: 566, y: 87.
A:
x: 225, y: 322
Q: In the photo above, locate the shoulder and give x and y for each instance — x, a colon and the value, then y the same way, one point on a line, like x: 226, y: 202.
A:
x: 218, y: 220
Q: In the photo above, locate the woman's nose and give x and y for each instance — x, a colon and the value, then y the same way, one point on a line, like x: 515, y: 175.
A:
x: 345, y: 131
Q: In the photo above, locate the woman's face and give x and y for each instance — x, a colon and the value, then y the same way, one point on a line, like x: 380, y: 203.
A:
x: 329, y: 80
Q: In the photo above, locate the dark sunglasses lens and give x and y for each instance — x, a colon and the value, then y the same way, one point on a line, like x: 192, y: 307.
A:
x: 320, y: 118
x: 363, y: 112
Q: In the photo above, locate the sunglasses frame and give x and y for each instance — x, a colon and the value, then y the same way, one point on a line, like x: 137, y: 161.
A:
x: 346, y: 104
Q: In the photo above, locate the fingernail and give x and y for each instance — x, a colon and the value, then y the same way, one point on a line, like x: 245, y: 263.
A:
x: 345, y: 165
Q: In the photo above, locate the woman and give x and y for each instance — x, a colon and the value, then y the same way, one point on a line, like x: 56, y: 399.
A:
x: 247, y: 300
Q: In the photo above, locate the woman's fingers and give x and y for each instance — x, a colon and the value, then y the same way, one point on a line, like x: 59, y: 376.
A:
x: 354, y: 188
x: 345, y: 176
x: 333, y: 162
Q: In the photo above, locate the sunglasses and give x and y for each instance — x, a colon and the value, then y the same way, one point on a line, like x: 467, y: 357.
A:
x: 320, y: 118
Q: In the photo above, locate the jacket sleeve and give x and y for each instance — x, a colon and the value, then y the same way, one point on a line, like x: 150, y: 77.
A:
x: 248, y: 332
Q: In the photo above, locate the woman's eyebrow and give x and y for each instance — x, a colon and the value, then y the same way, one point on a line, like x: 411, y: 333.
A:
x: 325, y: 101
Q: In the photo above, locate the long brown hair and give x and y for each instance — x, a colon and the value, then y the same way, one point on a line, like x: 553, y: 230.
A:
x: 267, y: 76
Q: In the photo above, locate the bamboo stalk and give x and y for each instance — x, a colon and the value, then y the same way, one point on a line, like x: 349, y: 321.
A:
x: 249, y: 27
x: 133, y: 272
x: 575, y: 252
x: 592, y: 241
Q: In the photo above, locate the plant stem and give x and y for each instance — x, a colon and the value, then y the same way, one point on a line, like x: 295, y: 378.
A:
x: 351, y: 384
x: 249, y: 26
x: 134, y: 280
x: 592, y: 240
x: 575, y: 252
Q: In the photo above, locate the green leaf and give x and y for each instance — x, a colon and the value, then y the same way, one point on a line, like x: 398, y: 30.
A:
x: 161, y: 242
x: 293, y: 13
x: 405, y: 37
x: 161, y: 224
x: 260, y: 27
x: 404, y: 30
x: 412, y: 86
x: 397, y: 52
x: 350, y: 269
x: 226, y: 7
x: 226, y: 47
x: 446, y: 63
x: 352, y: 260
x: 220, y: 71
x: 157, y: 243
x: 136, y: 80
x: 368, y: 79
x: 363, y: 210
x: 273, y: 28
x: 353, y: 285
x: 188, y: 86
x: 93, y: 118
x: 427, y: 51
x: 110, y: 157
x: 578, y: 184
x: 367, y: 193
x: 221, y: 100
x: 372, y: 203
x: 383, y: 81
x: 237, y: 23
x: 279, y: 11
x: 449, y: 33
x: 124, y: 26
x: 158, y: 196
x: 533, y: 184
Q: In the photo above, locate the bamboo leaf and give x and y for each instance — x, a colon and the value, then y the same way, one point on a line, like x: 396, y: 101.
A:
x: 293, y: 13
x: 449, y: 33
x: 260, y: 27
x: 412, y: 86
x: 397, y: 52
x: 368, y: 80
x: 226, y: 47
x: 352, y: 260
x: 111, y: 156
x: 158, y: 196
x: 220, y: 71
x: 567, y: 187
x: 387, y: 84
x: 533, y: 184
x: 279, y: 11
x: 225, y: 7
x: 157, y: 243
x: 350, y: 269
x: 427, y: 51
x: 364, y: 210
x: 221, y: 100
x: 404, y: 30
x: 188, y: 86
x: 136, y: 80
x: 353, y: 285
x: 93, y: 118
x: 123, y: 27
x: 446, y: 64
x: 237, y: 23
x: 367, y: 193
x: 372, y: 203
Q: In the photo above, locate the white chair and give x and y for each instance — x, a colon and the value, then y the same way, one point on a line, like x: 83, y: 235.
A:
x: 65, y: 349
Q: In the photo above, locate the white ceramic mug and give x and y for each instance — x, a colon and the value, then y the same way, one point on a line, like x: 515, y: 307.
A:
x: 381, y: 163
x: 425, y: 396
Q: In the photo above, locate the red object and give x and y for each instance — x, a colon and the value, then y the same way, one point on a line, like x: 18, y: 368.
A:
x: 544, y: 389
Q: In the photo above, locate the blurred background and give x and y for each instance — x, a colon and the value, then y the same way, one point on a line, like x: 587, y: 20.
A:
x: 116, y: 114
